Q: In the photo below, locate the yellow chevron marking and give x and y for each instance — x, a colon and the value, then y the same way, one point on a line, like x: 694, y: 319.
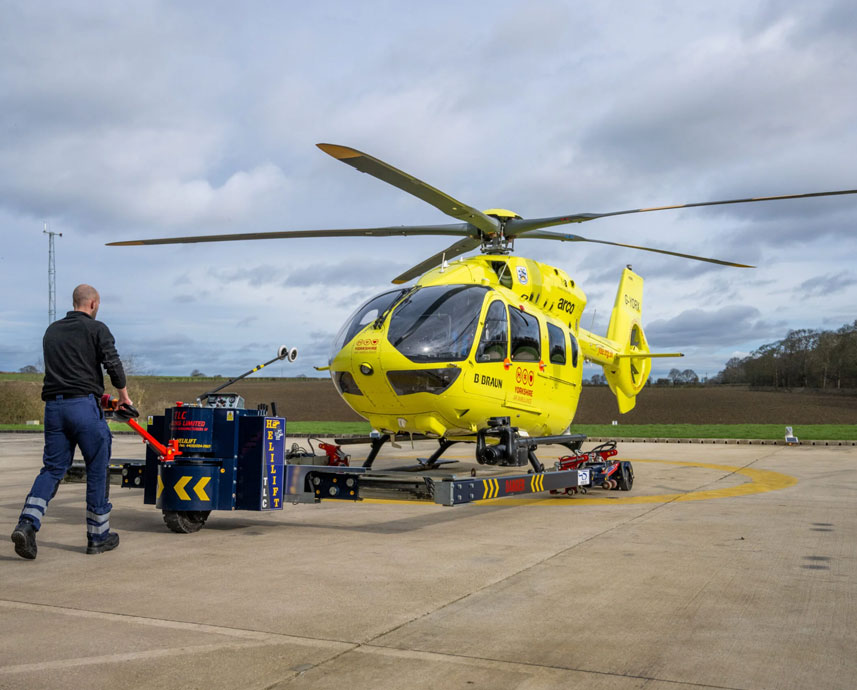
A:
x: 485, y: 488
x: 199, y: 489
x: 179, y: 487
x: 160, y: 487
x: 496, y: 487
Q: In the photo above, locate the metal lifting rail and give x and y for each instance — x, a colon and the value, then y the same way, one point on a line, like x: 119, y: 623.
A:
x: 314, y: 483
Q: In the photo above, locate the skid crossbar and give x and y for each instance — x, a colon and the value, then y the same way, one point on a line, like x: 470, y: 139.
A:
x: 314, y: 483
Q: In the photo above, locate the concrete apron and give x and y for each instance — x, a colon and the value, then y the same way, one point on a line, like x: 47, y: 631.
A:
x: 725, y: 567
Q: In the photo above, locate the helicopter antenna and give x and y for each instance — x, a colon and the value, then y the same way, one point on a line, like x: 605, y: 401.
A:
x: 592, y: 324
x: 443, y: 264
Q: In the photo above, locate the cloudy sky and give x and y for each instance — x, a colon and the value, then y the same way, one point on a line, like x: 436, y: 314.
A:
x: 150, y: 119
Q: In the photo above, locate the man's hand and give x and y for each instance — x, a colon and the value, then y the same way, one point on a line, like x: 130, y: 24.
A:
x: 123, y: 396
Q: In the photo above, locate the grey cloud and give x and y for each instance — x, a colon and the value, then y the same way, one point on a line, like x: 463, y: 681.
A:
x: 256, y: 276
x: 829, y: 284
x: 359, y: 272
x: 732, y: 324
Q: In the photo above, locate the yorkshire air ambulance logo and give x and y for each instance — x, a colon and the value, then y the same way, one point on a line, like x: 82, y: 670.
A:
x: 523, y: 278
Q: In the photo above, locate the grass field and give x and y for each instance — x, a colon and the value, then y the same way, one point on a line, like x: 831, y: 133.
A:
x: 805, y: 432
x: 312, y: 406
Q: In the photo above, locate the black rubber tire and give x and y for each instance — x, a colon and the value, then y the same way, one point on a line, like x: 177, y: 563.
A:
x: 625, y: 479
x: 185, y: 521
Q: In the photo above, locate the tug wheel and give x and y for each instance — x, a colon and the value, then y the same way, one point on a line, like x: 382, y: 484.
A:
x: 185, y: 521
x: 626, y: 476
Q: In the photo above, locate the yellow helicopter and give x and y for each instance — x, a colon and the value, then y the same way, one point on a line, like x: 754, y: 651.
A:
x: 487, y: 343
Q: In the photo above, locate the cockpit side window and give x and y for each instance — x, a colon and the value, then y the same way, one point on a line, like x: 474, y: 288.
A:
x: 494, y: 341
x: 362, y: 317
x: 526, y: 345
x: 556, y: 343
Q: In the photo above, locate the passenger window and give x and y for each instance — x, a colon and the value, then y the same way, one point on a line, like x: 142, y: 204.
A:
x: 525, y: 336
x: 574, y: 349
x: 492, y: 344
x: 556, y: 342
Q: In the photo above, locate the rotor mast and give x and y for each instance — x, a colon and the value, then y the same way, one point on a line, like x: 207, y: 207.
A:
x: 497, y: 242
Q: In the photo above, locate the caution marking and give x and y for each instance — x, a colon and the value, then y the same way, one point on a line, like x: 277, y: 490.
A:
x: 198, y: 488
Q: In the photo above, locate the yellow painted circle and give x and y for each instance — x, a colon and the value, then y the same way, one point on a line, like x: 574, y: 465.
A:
x: 760, y: 481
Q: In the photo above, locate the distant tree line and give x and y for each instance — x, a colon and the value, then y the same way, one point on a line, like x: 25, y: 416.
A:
x: 803, y: 359
x: 676, y: 377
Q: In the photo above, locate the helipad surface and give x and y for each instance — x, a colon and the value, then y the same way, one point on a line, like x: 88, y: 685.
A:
x: 725, y: 567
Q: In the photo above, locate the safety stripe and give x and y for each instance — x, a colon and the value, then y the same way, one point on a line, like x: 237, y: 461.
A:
x: 490, y: 488
x: 35, y: 512
x: 98, y: 529
x: 538, y: 483
x: 36, y: 501
x: 96, y: 517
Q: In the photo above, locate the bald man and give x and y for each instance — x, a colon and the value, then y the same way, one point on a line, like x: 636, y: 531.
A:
x: 75, y: 350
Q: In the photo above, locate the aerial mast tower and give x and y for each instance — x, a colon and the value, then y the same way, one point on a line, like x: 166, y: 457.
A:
x: 52, y: 275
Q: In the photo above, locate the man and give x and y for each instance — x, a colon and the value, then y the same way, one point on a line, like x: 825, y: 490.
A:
x: 75, y: 349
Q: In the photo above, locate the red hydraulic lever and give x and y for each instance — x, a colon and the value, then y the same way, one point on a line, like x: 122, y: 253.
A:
x: 166, y: 453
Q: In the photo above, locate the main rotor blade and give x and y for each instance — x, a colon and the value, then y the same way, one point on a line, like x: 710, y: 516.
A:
x: 459, y: 247
x: 450, y: 229
x: 547, y: 235
x: 407, y: 183
x: 517, y: 226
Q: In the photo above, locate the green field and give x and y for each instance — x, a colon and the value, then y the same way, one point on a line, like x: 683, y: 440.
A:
x: 805, y: 432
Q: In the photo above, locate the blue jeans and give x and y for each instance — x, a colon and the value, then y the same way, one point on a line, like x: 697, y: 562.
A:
x: 70, y: 423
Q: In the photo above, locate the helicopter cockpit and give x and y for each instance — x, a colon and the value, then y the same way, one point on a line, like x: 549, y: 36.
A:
x: 432, y: 324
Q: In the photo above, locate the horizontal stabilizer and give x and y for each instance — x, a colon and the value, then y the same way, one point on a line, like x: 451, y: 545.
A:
x: 649, y: 355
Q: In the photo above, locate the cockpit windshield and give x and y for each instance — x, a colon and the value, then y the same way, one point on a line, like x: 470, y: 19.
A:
x: 362, y: 317
x: 437, y: 323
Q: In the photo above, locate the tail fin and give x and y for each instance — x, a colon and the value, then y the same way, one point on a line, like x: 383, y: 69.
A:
x: 629, y: 370
x: 624, y: 353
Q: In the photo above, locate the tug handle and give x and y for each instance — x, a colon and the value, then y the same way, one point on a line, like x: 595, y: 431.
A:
x: 166, y: 453
x: 128, y: 414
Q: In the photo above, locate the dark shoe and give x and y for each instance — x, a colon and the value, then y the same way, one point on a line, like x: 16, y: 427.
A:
x: 24, y: 537
x: 110, y: 542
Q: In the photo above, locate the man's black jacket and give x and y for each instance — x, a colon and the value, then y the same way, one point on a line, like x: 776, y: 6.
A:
x: 75, y: 348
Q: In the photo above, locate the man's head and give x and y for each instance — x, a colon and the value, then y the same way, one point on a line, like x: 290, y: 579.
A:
x: 86, y: 299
